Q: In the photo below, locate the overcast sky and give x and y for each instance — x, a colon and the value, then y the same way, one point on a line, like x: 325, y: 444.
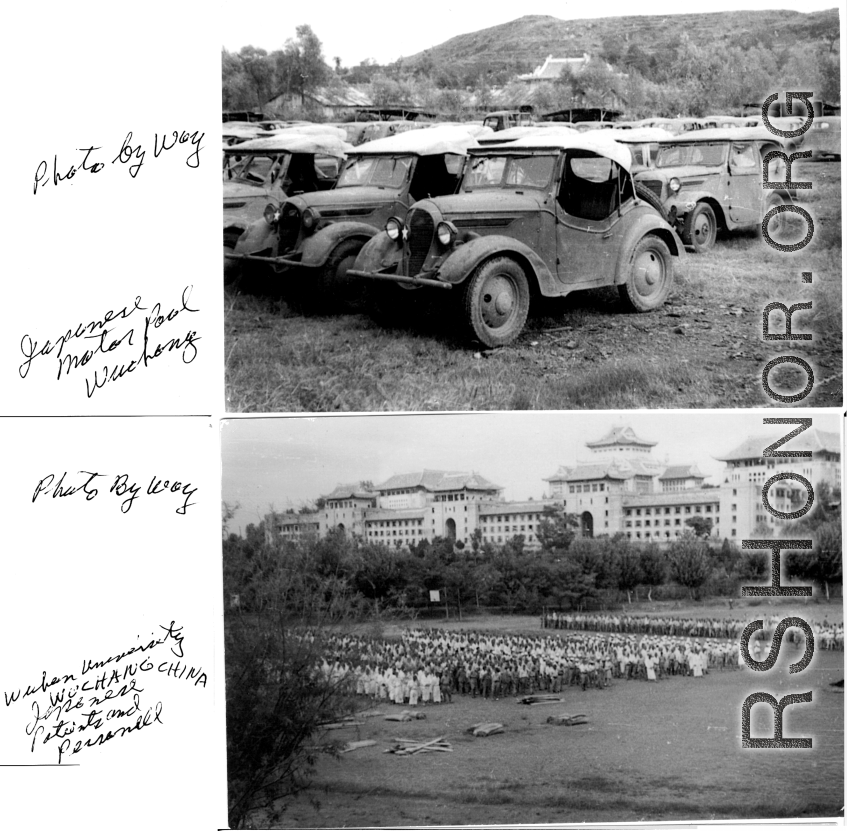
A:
x: 284, y: 462
x: 386, y: 31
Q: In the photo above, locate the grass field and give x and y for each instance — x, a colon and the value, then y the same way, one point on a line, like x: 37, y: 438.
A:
x: 703, y: 349
x: 650, y: 752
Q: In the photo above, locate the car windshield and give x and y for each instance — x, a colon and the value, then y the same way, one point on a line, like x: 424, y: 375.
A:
x: 510, y: 171
x: 677, y: 155
x: 376, y: 171
x: 253, y: 168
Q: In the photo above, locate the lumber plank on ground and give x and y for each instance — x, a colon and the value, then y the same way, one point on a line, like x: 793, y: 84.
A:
x: 357, y: 745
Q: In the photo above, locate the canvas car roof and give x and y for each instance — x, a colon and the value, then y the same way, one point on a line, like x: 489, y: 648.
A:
x: 430, y: 142
x: 637, y: 135
x: 596, y: 141
x: 513, y: 133
x: 726, y: 134
x: 292, y: 141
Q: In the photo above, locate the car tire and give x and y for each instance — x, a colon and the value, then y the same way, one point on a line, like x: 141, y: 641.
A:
x: 650, y: 277
x: 333, y: 275
x: 495, y: 302
x: 778, y: 223
x: 700, y: 229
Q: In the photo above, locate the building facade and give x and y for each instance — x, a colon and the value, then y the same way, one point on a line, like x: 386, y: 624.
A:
x: 620, y: 487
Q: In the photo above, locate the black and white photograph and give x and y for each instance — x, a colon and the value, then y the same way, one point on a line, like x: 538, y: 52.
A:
x: 557, y: 616
x: 495, y: 211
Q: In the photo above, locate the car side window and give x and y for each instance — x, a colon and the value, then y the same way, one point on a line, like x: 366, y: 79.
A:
x: 590, y: 186
x: 742, y: 159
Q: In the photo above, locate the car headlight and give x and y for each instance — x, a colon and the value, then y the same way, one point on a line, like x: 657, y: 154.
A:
x: 446, y: 233
x: 270, y: 214
x: 310, y: 218
x: 394, y: 228
x: 674, y: 185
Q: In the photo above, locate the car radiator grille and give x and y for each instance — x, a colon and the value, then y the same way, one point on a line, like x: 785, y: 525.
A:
x: 421, y: 231
x: 652, y: 184
x: 288, y: 229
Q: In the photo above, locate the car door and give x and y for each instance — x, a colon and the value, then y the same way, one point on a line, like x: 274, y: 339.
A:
x: 588, y: 219
x: 745, y: 183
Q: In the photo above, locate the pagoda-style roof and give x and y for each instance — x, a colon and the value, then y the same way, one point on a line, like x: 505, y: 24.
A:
x: 437, y: 481
x: 616, y: 469
x: 817, y: 441
x: 682, y: 472
x: 620, y: 436
x: 351, y: 492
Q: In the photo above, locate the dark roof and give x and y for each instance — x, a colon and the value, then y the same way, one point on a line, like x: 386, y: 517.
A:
x: 812, y: 439
x: 620, y: 435
x: 682, y: 472
x: 351, y: 492
x: 614, y: 468
x: 438, y: 480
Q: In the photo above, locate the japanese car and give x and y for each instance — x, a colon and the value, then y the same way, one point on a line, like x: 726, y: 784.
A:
x: 711, y: 180
x: 543, y: 215
x: 259, y: 170
x: 823, y: 138
x: 319, y: 235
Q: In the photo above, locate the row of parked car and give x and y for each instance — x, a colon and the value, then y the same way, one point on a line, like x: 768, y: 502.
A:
x: 493, y: 218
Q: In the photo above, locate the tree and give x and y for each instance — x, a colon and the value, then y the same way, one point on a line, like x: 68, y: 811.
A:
x: 628, y: 565
x: 556, y: 530
x: 654, y: 567
x: 300, y: 66
x: 689, y: 562
x: 701, y: 526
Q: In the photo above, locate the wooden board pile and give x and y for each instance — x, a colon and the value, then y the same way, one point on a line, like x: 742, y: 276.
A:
x: 411, y: 747
x: 568, y: 720
x: 486, y: 728
x: 405, y: 716
x: 540, y: 699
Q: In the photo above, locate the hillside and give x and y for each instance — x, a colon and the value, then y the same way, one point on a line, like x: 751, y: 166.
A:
x: 523, y: 44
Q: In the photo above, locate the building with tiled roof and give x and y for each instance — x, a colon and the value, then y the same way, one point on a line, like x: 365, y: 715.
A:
x: 620, y: 488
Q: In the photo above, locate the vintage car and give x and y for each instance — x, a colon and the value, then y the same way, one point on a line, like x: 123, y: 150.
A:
x: 287, y: 163
x: 711, y: 180
x: 322, y: 233
x: 823, y: 138
x: 643, y: 143
x: 546, y: 214
x: 503, y: 119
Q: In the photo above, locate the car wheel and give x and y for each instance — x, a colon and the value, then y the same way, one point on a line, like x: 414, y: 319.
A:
x: 496, y: 302
x: 701, y: 228
x: 650, y: 276
x: 778, y: 223
x: 333, y: 276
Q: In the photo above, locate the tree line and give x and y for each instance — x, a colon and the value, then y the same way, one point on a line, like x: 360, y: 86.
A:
x: 567, y: 571
x: 684, y: 78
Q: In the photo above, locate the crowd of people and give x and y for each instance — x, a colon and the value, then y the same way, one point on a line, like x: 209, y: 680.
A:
x: 827, y: 635
x: 432, y: 665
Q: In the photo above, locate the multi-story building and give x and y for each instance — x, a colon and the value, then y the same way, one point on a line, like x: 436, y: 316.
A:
x: 619, y: 488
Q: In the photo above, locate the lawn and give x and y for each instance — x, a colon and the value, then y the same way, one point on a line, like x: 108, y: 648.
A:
x: 650, y: 752
x: 703, y: 349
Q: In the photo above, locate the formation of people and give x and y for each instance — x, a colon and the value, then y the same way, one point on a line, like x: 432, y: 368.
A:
x: 432, y: 665
x: 828, y: 635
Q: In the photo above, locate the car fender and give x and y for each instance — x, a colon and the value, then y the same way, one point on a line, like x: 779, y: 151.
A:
x: 258, y: 236
x: 463, y: 259
x: 695, y: 196
x: 318, y: 247
x: 649, y: 223
x: 378, y: 253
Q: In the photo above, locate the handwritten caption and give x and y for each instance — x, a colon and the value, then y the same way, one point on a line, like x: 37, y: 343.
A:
x: 131, y: 155
x: 143, y: 338
x: 122, y: 487
x: 105, y: 700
